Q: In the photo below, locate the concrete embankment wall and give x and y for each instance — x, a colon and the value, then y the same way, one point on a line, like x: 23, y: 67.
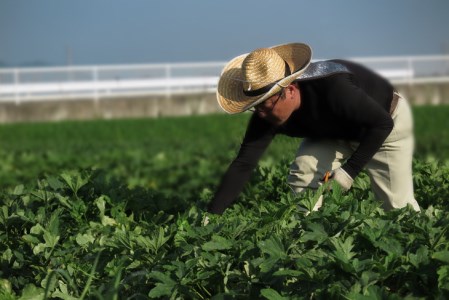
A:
x: 164, y: 105
x: 108, y: 108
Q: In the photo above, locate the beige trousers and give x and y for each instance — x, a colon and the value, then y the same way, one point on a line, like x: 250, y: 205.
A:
x: 390, y: 170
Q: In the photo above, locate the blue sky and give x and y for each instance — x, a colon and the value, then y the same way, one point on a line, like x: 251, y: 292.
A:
x: 86, y: 32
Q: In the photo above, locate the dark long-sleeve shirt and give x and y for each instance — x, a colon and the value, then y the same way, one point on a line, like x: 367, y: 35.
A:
x: 350, y: 106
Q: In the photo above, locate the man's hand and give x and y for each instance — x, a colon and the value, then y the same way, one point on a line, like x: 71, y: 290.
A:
x: 341, y: 177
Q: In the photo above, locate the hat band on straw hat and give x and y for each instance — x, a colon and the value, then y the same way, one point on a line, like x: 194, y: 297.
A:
x: 268, y: 87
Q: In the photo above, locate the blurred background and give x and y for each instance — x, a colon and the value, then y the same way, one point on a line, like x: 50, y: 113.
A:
x: 64, y: 32
x: 69, y: 59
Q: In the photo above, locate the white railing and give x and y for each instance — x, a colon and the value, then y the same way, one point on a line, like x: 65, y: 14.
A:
x: 95, y: 82
x: 410, y: 69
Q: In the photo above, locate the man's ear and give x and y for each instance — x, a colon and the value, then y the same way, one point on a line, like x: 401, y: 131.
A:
x: 291, y: 90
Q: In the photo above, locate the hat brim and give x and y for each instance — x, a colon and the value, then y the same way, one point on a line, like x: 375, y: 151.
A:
x: 230, y: 95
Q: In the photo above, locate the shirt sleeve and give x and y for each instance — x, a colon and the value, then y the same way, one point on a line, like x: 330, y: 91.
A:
x: 258, y: 137
x: 353, y: 106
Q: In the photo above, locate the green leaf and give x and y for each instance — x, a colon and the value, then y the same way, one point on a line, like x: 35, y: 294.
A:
x: 164, y: 287
x: 64, y: 201
x: 101, y: 204
x: 268, y: 264
x: 160, y: 290
x: 53, y: 224
x: 369, y: 278
x: 7, y: 255
x: 50, y: 239
x: 217, y: 243
x: 37, y: 229
x: 74, y: 180
x: 39, y: 248
x: 64, y: 296
x: 55, y: 183
x: 441, y: 256
x: 160, y: 238
x: 308, y: 202
x: 391, y: 246
x: 19, y: 190
x: 5, y: 286
x: 273, y: 247
x: 420, y: 258
x: 343, y: 249
x: 271, y: 294
x: 31, y: 292
x: 373, y: 292
x: 4, y: 214
x: 275, y: 250
x: 317, y: 233
x: 163, y: 278
x: 108, y: 221
x: 84, y: 239
x: 155, y: 242
x: 204, y: 275
x: 443, y: 277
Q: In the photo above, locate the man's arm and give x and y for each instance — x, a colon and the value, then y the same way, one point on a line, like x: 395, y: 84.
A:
x: 259, y: 135
x: 353, y: 105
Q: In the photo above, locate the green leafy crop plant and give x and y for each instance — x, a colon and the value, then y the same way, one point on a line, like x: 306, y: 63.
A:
x: 114, y: 210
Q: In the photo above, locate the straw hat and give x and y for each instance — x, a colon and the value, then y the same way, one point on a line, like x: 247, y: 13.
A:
x: 252, y: 78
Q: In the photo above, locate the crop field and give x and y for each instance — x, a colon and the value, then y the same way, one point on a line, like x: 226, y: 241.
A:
x: 114, y: 210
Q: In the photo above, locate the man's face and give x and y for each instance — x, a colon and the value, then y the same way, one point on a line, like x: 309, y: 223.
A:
x: 278, y: 108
